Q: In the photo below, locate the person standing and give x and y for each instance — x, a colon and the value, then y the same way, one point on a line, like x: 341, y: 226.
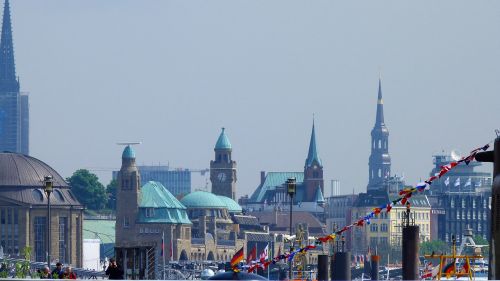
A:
x: 58, y: 272
x: 114, y: 271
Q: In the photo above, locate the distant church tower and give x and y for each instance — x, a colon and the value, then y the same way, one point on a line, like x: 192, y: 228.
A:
x: 223, y: 168
x: 127, y: 198
x: 14, y: 106
x: 380, y: 161
x: 313, y: 170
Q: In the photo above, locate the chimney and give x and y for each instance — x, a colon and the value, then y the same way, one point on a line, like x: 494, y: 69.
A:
x: 262, y: 177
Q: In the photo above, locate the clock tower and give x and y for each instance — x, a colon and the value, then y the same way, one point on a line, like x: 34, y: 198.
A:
x: 223, y: 168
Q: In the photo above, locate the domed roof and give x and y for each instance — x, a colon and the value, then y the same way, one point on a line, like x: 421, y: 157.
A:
x: 202, y: 199
x: 231, y: 205
x: 223, y: 141
x: 128, y: 152
x: 25, y: 171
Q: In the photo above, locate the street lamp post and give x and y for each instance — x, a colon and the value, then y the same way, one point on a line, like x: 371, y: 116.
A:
x: 48, y: 183
x: 291, y: 189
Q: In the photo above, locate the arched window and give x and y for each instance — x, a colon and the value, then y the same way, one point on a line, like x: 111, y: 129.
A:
x: 379, y: 173
x: 379, y: 144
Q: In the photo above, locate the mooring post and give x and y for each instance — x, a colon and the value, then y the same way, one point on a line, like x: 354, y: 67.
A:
x: 410, y: 246
x: 494, y: 258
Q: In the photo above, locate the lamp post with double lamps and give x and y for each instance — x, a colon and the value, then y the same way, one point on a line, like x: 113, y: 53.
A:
x: 291, y: 184
x: 48, y: 184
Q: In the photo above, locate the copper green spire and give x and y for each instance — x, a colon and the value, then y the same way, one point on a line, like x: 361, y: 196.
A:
x: 8, y: 81
x: 223, y: 141
x: 312, y: 155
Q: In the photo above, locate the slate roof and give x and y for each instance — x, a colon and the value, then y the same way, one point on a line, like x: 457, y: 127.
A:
x: 23, y: 170
x: 21, y: 181
x: 259, y: 237
x: 276, y: 179
x: 281, y: 220
x: 246, y: 220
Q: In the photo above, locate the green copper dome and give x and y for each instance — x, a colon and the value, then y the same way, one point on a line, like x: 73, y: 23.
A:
x: 128, y: 152
x: 223, y: 141
x: 231, y: 205
x: 203, y: 199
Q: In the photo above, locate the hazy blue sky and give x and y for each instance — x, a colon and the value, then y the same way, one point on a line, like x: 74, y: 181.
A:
x: 172, y: 73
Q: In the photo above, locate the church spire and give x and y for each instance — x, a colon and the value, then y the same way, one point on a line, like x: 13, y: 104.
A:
x: 312, y: 155
x: 8, y: 81
x: 379, y: 121
x: 379, y: 162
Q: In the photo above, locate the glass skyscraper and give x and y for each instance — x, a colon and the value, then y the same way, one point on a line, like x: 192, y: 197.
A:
x: 14, y: 106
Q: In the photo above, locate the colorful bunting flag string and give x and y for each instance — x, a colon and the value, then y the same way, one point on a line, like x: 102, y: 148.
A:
x: 404, y: 196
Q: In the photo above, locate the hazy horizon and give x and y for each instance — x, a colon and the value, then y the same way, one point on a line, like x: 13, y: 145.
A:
x: 172, y: 73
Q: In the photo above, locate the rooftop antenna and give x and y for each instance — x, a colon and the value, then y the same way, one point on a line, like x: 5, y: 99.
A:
x: 129, y: 143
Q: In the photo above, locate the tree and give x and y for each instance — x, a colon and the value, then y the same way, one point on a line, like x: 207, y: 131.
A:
x: 111, y: 192
x: 436, y: 246
x: 87, y: 189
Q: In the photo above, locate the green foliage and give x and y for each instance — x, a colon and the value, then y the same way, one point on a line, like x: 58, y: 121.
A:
x: 111, y: 191
x: 23, y: 267
x: 436, y: 246
x: 87, y: 189
x: 4, y: 272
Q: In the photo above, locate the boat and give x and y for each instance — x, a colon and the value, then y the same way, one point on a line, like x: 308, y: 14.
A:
x: 458, y: 266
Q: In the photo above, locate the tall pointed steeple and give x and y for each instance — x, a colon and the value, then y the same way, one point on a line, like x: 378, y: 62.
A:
x: 379, y: 121
x: 8, y: 81
x: 312, y: 155
x: 379, y: 164
x: 313, y: 170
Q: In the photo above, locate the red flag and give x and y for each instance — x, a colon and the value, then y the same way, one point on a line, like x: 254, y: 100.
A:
x: 252, y: 255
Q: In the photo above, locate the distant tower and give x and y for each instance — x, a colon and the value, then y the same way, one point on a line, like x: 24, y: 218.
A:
x: 223, y: 168
x: 127, y: 197
x: 14, y: 108
x: 380, y: 161
x: 313, y: 170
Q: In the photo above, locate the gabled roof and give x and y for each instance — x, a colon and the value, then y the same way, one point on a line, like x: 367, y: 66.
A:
x: 155, y: 195
x: 223, y: 141
x: 273, y: 180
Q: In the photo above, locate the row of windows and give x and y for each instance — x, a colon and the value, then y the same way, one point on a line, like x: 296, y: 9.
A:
x: 468, y: 215
x: 464, y: 203
x: 415, y: 216
x: 9, y: 230
x: 149, y: 230
x: 383, y: 227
